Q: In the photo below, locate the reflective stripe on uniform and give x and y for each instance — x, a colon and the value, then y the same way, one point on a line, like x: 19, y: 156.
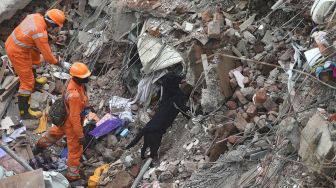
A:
x: 37, y: 35
x: 25, y: 92
x: 17, y: 42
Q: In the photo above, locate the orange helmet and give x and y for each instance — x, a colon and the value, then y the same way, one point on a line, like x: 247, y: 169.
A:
x: 55, y: 16
x: 79, y: 70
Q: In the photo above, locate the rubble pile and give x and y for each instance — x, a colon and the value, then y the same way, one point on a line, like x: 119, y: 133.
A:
x: 259, y: 79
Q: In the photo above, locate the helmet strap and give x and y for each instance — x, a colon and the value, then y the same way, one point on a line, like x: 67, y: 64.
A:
x: 50, y: 21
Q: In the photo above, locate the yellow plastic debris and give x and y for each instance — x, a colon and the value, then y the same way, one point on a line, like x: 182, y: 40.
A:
x: 94, y: 180
x: 42, y: 124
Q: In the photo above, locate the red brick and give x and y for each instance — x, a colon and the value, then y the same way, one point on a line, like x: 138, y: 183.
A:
x: 241, y: 97
x: 261, y: 96
x: 252, y: 110
x: 233, y: 83
x: 240, y: 122
x: 134, y: 171
x: 231, y: 105
x: 233, y: 139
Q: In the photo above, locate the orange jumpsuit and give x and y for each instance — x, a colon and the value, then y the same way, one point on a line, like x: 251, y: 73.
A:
x: 24, y: 46
x: 77, y: 100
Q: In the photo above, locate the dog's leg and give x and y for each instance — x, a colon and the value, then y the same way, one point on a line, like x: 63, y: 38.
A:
x: 155, y: 144
x: 144, y: 147
x: 135, y: 140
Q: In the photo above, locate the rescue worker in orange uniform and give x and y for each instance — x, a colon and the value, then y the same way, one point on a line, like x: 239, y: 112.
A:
x: 76, y: 101
x: 24, y: 46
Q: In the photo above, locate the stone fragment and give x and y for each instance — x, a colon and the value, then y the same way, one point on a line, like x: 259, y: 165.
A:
x: 121, y: 180
x: 289, y: 128
x: 316, y: 145
x: 172, y: 169
x: 128, y: 161
x: 240, y: 122
x: 214, y: 29
x: 231, y: 105
x: 251, y: 110
x: 108, y: 155
x: 164, y: 176
x: 260, y: 122
x: 249, y: 37
x: 206, y: 16
x: 261, y: 96
x: 270, y: 105
x: 247, y: 23
x: 111, y: 141
x: 190, y: 166
x: 248, y: 92
x: 233, y: 83
x: 195, y: 130
x: 241, y: 97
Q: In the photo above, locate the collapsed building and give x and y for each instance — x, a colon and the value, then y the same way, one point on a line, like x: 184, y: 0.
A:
x: 259, y: 74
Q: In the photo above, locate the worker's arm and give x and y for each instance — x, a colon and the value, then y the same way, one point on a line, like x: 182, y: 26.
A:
x: 41, y: 42
x: 74, y: 113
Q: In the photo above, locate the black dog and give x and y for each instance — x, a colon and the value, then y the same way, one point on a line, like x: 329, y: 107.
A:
x: 172, y: 102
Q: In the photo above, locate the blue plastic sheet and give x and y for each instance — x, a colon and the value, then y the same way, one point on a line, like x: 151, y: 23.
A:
x: 106, y: 127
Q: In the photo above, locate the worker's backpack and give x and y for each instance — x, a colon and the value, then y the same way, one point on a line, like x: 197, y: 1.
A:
x: 58, y: 111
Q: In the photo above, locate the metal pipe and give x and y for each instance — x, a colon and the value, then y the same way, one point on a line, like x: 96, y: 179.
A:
x: 16, y: 157
x: 141, y: 173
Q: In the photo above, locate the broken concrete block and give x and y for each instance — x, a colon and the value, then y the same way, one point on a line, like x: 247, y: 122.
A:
x: 214, y: 29
x: 190, y: 166
x: 316, y: 145
x: 188, y: 27
x: 240, y: 122
x: 248, y: 92
x: 289, y: 128
x: 249, y: 37
x: 247, y: 22
x: 267, y: 38
x: 8, y: 8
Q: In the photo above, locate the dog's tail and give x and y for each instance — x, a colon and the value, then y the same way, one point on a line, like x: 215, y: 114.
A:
x: 135, y: 140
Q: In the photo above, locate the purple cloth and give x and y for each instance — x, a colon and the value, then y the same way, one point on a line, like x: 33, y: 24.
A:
x: 106, y: 127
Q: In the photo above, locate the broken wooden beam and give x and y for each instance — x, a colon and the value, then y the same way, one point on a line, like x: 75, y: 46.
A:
x: 4, y: 105
x: 3, y: 67
x: 9, y: 89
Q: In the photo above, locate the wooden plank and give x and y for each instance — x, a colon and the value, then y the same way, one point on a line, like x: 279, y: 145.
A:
x: 9, y: 89
x: 12, y: 84
x: 4, y: 104
x: 3, y: 67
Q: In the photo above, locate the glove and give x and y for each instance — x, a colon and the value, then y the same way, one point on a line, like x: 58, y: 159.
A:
x: 81, y: 141
x: 65, y: 65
